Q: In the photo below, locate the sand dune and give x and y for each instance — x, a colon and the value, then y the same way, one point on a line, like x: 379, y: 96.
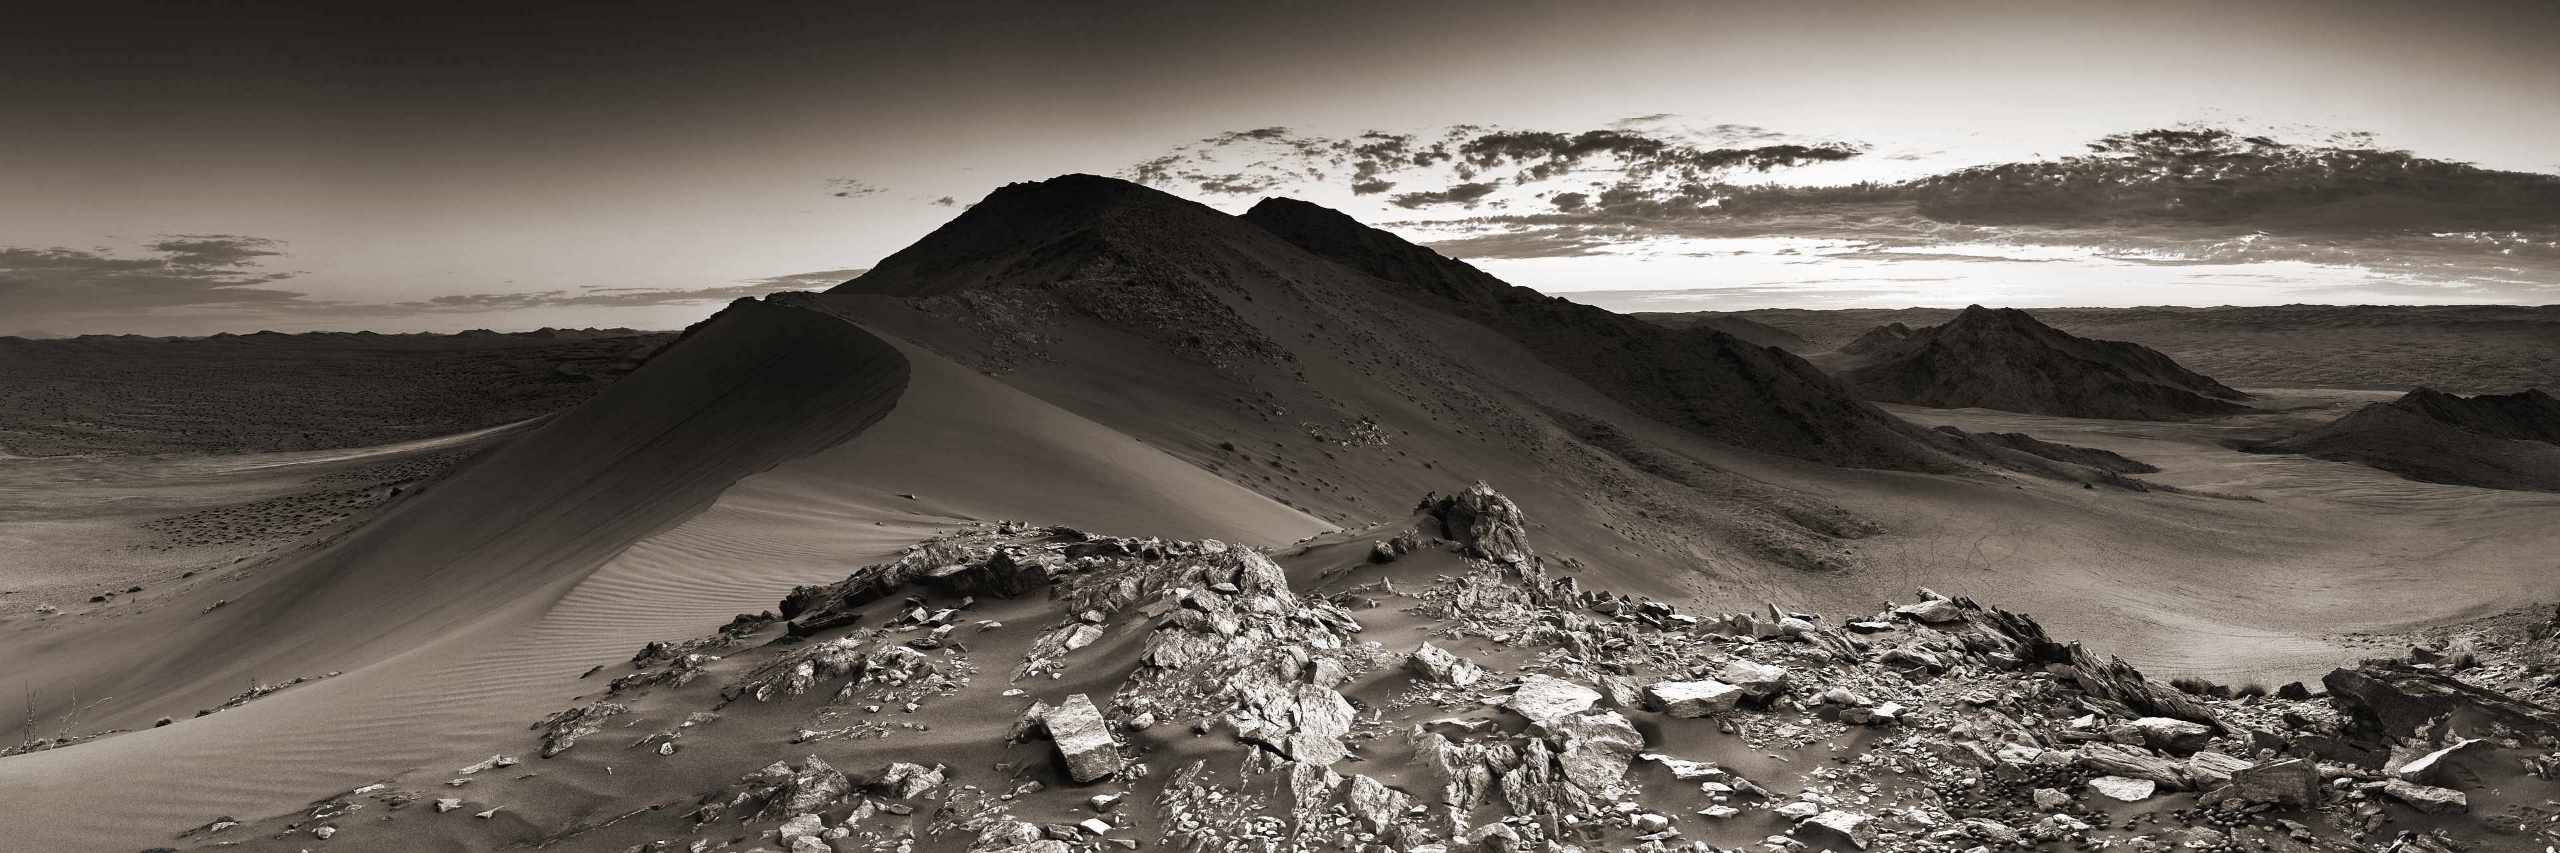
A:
x: 460, y: 616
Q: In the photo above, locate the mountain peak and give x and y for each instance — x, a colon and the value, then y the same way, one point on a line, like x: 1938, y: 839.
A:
x: 1037, y: 230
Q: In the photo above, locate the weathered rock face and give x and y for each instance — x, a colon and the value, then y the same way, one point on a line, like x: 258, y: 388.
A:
x: 1597, y: 746
x: 1234, y: 642
x: 1004, y: 574
x: 1758, y: 681
x: 1858, y: 828
x: 1704, y: 698
x: 780, y: 790
x: 1439, y: 666
x: 1488, y: 525
x: 2177, y: 737
x: 2132, y: 762
x: 2124, y: 789
x: 2427, y: 798
x: 2292, y: 782
x: 1083, y: 738
x: 1934, y: 611
x: 905, y: 781
x: 1542, y: 698
x: 2392, y: 701
x: 562, y: 730
x: 1302, y: 723
x: 2209, y: 770
x: 2426, y: 769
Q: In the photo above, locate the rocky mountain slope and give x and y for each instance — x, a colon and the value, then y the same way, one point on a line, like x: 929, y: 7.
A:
x: 2498, y: 441
x: 1437, y: 685
x: 2005, y: 359
x: 1725, y: 387
x: 1339, y: 368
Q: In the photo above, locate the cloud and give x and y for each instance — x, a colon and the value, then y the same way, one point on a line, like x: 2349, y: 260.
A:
x: 852, y: 188
x: 1468, y: 194
x: 1642, y: 165
x: 174, y: 271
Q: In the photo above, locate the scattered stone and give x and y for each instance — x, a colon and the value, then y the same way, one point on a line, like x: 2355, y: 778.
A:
x: 1084, y: 740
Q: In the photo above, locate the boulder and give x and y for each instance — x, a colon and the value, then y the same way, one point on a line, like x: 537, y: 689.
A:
x: 1304, y: 722
x: 2210, y: 770
x: 2177, y: 737
x: 1859, y: 829
x: 1083, y: 738
x: 2124, y: 789
x: 2427, y: 798
x: 1437, y: 665
x: 1488, y: 525
x: 2428, y: 768
x: 2292, y: 782
x: 1374, y: 804
x: 1692, y: 699
x: 1595, y: 749
x: 1880, y: 715
x: 1933, y: 612
x: 903, y: 781
x: 2132, y: 762
x: 1542, y: 698
x: 1759, y: 681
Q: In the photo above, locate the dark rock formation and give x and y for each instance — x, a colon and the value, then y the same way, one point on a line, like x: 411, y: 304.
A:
x: 2497, y: 441
x: 2005, y: 359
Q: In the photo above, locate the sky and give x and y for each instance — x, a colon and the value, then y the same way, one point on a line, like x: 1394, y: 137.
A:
x: 189, y: 168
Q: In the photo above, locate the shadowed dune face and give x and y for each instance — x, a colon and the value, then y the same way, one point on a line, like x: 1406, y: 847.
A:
x: 759, y: 384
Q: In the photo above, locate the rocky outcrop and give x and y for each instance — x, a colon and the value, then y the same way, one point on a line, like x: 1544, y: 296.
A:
x: 2391, y: 700
x: 1486, y: 524
x: 1942, y: 725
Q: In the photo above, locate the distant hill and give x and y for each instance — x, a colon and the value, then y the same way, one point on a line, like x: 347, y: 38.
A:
x: 273, y: 391
x: 2005, y: 359
x: 2497, y: 441
x: 2464, y: 348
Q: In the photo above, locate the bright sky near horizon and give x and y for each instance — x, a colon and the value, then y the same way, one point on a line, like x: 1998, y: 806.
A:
x: 194, y: 168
